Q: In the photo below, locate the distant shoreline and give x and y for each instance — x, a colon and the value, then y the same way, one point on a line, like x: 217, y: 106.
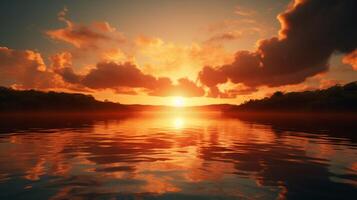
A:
x: 287, y: 114
x: 137, y: 111
x: 334, y: 101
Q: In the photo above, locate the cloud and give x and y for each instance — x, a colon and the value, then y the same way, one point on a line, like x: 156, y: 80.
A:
x: 225, y: 36
x: 326, y: 83
x: 116, y: 55
x: 244, y: 12
x: 211, y: 77
x: 62, y: 65
x: 311, y: 31
x: 125, y: 90
x: 184, y: 87
x: 351, y: 59
x: 233, y: 24
x: 111, y: 75
x: 61, y: 60
x: 127, y: 78
x: 85, y: 36
x: 24, y: 69
x: 237, y: 90
x: 94, y: 44
x: 176, y: 60
x: 234, y: 29
x: 241, y: 89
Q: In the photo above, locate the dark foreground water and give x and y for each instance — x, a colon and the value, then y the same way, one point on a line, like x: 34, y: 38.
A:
x: 177, y: 156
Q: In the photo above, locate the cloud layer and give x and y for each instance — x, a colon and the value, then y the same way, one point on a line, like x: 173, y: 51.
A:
x: 26, y: 69
x: 127, y: 78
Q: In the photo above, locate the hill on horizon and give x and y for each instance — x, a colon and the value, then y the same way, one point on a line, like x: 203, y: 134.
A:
x: 339, y: 98
x: 32, y: 100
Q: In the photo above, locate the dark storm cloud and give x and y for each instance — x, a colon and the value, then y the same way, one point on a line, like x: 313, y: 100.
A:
x: 311, y: 31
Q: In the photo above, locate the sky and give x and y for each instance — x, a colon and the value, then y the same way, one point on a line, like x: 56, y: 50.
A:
x: 152, y: 51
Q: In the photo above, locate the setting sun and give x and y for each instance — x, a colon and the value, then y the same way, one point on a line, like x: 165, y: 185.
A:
x: 178, y: 101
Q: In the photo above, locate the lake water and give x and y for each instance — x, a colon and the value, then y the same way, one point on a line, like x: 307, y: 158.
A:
x: 177, y: 155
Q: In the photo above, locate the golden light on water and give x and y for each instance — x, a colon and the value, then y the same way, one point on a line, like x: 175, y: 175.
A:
x: 178, y: 122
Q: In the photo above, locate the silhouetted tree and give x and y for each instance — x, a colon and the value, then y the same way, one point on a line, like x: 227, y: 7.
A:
x: 334, y: 99
x: 31, y: 100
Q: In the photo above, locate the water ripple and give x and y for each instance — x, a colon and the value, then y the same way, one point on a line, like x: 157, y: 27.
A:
x: 179, y: 157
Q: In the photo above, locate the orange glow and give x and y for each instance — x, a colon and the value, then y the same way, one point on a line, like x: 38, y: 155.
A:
x: 178, y: 101
x: 179, y: 122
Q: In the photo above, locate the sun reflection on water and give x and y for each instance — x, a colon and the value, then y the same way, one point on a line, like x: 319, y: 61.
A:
x: 179, y: 122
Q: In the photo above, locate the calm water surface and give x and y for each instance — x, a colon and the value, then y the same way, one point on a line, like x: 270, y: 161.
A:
x: 177, y: 156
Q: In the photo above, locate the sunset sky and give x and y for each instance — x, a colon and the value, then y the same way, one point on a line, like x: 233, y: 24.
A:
x: 152, y: 51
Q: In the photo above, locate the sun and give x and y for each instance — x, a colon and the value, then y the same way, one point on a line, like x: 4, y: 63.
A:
x: 178, y: 101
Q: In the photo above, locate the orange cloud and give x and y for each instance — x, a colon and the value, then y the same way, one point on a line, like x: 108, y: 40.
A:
x: 176, y: 60
x: 351, y: 59
x: 24, y: 69
x: 115, y: 55
x: 225, y: 36
x: 211, y: 77
x: 230, y: 30
x: 61, y: 60
x: 325, y: 83
x: 184, y: 87
x: 127, y: 78
x: 111, y: 75
x: 244, y: 12
x: 233, y: 24
x: 85, y: 36
x: 62, y: 65
x: 237, y: 90
x: 153, y: 55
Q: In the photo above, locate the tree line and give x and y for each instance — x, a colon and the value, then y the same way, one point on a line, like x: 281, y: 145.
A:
x: 32, y: 100
x: 339, y: 98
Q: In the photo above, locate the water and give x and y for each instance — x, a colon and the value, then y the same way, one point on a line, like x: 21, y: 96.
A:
x: 177, y: 156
